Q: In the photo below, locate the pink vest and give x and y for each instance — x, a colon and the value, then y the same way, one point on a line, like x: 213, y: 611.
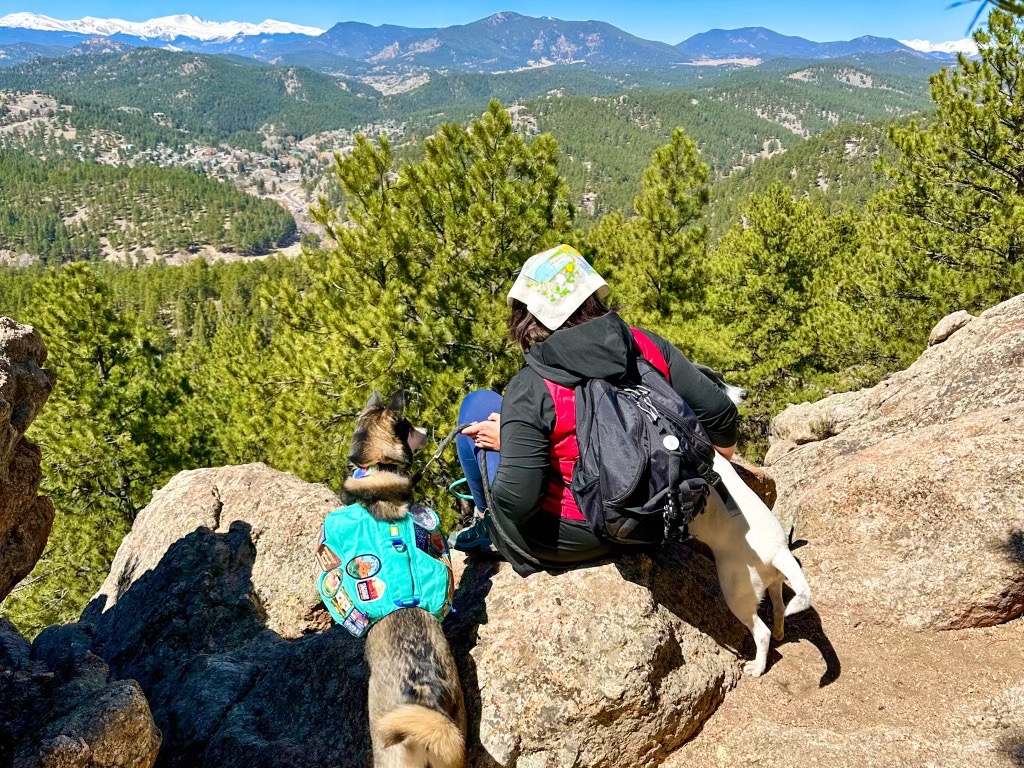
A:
x: 564, y: 451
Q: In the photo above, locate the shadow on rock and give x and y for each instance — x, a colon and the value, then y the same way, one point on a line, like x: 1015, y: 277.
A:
x: 227, y: 691
x: 462, y: 628
x: 224, y: 690
x: 683, y: 578
x: 1013, y: 748
x: 806, y: 625
x: 61, y: 708
x: 1015, y: 548
x: 685, y: 582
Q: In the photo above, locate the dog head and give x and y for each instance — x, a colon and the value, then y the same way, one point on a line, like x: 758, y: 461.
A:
x: 736, y: 394
x: 383, y: 446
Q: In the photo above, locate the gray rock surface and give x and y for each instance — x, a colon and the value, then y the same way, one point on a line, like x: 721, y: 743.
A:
x: 606, y: 666
x: 61, y: 710
x: 283, y: 515
x: 25, y: 517
x: 912, y: 492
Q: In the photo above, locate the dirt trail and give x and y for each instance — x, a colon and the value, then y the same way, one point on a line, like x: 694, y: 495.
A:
x: 839, y: 692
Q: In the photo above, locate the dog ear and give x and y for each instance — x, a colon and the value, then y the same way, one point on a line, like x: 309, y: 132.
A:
x: 417, y: 438
x: 373, y: 402
x: 397, y: 404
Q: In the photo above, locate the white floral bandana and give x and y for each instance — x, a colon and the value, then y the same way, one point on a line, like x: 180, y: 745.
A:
x: 555, y: 283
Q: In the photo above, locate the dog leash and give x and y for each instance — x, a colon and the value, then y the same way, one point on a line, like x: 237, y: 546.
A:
x: 441, y: 447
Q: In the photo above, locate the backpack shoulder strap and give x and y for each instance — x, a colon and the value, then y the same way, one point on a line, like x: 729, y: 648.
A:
x: 650, y: 352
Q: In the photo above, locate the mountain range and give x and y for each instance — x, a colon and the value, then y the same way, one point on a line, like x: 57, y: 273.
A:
x: 760, y: 43
x: 501, y: 42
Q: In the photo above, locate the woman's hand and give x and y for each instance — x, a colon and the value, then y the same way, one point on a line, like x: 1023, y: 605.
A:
x: 486, y: 434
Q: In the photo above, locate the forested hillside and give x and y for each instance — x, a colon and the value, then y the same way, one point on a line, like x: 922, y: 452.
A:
x: 607, y: 122
x: 838, y: 169
x: 608, y: 141
x: 460, y: 91
x: 163, y: 367
x: 67, y: 210
x: 206, y: 97
x: 810, y: 97
x: 736, y: 120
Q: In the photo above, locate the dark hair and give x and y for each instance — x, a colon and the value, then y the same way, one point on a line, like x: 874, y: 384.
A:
x: 527, y: 330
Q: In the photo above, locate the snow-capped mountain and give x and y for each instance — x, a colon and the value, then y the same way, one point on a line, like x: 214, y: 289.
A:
x: 164, y: 28
x: 501, y: 42
x: 966, y: 45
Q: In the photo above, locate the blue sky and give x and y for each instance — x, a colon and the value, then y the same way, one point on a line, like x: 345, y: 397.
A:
x: 657, y: 20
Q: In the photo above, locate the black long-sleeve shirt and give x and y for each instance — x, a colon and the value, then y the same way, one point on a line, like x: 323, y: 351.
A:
x: 599, y: 348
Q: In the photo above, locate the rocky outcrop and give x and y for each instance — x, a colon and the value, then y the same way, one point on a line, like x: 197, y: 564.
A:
x: 25, y: 517
x: 59, y: 707
x: 211, y: 608
x: 61, y: 710
x: 912, y: 492
x: 283, y: 516
x: 606, y: 666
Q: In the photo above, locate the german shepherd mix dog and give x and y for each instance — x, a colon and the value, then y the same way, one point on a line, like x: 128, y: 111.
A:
x: 417, y: 712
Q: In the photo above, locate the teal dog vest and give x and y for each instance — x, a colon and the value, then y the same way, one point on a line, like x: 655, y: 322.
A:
x: 371, y: 568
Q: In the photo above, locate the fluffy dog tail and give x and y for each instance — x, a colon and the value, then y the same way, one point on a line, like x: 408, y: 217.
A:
x: 430, y: 730
x: 794, y: 574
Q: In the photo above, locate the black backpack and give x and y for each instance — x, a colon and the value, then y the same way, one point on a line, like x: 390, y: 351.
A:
x: 645, y: 465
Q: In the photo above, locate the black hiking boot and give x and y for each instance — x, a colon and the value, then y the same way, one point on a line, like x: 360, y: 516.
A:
x: 475, y: 537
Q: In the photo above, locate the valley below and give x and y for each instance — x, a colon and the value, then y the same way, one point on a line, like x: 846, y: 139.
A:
x: 739, y: 115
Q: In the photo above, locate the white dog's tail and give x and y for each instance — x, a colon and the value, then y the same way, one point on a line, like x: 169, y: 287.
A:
x: 790, y: 568
x: 430, y: 730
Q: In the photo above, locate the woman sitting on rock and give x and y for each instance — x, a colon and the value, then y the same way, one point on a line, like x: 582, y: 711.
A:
x: 568, y: 336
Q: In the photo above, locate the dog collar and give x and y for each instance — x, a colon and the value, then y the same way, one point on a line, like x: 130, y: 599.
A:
x: 360, y: 472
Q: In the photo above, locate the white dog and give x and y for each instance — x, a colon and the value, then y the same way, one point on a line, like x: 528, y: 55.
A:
x: 751, y: 551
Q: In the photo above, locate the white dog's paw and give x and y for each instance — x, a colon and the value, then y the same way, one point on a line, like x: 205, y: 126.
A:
x: 753, y: 668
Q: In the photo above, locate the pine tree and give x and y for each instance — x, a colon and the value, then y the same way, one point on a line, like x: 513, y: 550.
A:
x: 413, y: 295
x: 956, y: 223
x: 106, y: 439
x: 774, y: 270
x: 656, y: 261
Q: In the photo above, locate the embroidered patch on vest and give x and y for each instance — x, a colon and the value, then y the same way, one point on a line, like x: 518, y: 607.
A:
x: 363, y: 566
x: 342, y: 603
x: 356, y: 622
x: 424, y: 517
x: 370, y: 590
x: 438, y: 546
x: 330, y: 584
x: 326, y: 558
